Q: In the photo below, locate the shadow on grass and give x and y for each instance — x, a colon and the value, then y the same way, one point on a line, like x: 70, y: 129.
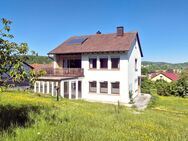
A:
x: 14, y: 116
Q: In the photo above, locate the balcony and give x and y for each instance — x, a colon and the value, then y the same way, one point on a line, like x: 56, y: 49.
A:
x: 65, y: 72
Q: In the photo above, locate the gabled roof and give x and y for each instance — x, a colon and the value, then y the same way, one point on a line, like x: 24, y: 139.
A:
x: 98, y: 43
x: 172, y: 76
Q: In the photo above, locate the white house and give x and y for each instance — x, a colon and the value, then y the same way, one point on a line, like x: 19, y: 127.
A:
x: 166, y: 76
x: 100, y: 67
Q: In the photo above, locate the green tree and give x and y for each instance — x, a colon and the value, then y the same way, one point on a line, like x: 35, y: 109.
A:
x: 144, y: 70
x: 163, y: 88
x: 146, y: 85
x: 182, y: 85
x: 12, y: 56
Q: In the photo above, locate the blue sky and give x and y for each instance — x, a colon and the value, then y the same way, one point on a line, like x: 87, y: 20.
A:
x: 44, y: 24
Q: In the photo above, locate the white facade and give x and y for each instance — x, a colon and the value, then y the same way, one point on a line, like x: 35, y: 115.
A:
x: 134, y: 69
x: 99, y: 75
x: 126, y: 75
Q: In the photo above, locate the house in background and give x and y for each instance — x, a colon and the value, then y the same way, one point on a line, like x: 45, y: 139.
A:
x: 23, y: 84
x: 166, y: 76
x: 99, y: 67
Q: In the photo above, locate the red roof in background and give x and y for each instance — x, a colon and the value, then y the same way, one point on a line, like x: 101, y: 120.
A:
x: 170, y: 75
x: 153, y: 74
x: 98, y: 43
x: 38, y: 67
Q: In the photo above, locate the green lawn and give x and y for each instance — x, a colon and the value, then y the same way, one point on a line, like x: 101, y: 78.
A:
x: 26, y: 116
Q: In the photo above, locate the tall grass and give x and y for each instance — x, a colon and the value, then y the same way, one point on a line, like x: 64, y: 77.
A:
x: 76, y: 120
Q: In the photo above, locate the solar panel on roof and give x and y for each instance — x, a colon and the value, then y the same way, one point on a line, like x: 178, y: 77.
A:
x: 76, y: 41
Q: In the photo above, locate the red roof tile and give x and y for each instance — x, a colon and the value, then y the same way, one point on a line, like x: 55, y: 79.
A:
x: 98, y: 43
x: 170, y: 75
x: 38, y: 67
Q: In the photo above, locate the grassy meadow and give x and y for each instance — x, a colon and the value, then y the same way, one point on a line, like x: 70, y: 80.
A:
x: 25, y: 116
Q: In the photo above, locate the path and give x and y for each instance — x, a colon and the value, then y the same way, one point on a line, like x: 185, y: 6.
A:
x: 141, y: 101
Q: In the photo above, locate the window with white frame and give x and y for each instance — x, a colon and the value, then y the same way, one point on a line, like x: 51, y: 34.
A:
x: 92, y: 63
x: 136, y: 65
x: 103, y: 63
x: 93, y: 86
x: 115, y: 88
x: 104, y: 87
x: 115, y: 63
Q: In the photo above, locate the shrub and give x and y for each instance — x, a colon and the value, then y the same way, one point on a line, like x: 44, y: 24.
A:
x: 163, y: 88
x: 146, y: 85
x: 176, y: 88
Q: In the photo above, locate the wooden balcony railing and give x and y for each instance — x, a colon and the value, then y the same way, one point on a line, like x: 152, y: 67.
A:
x: 66, y: 72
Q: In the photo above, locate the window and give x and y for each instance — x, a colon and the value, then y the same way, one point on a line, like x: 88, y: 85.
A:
x: 115, y: 87
x: 104, y: 87
x: 115, y: 63
x: 136, y: 65
x: 161, y: 77
x: 104, y: 63
x: 93, y: 86
x: 92, y: 63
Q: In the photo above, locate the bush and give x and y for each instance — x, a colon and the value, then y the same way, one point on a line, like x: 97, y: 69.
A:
x: 146, y: 85
x: 163, y: 88
x: 177, y: 88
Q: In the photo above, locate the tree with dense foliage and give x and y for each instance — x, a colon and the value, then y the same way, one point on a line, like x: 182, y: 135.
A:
x: 39, y: 60
x: 146, y: 85
x: 144, y: 71
x: 182, y: 85
x: 12, y: 57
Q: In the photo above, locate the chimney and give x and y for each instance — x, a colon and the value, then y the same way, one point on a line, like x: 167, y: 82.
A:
x: 120, y: 31
x: 98, y: 32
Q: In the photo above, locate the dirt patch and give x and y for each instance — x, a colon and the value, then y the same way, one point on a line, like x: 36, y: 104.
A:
x: 141, y: 101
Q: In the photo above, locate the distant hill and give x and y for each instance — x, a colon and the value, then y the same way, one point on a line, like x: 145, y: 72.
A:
x: 39, y: 60
x: 164, y: 65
